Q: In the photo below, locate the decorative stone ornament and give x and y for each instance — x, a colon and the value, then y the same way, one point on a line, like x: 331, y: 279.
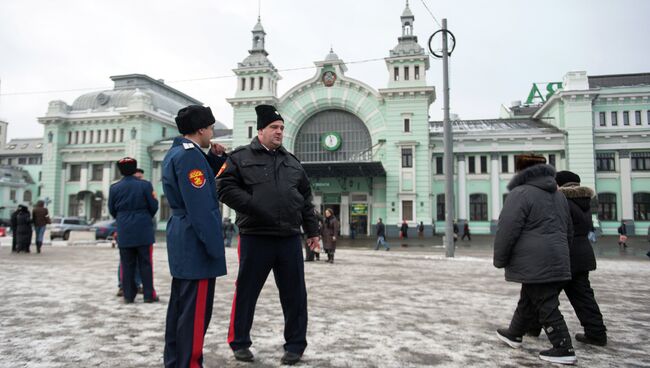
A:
x: 329, y: 78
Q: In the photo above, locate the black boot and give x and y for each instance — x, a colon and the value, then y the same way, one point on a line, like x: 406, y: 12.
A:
x: 332, y: 261
x: 38, y: 246
x: 562, y: 351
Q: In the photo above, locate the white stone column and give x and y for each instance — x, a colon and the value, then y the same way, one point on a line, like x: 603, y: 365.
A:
x: 495, y: 192
x: 626, y: 190
x: 345, y: 215
x: 462, y: 189
x: 106, y: 186
x: 83, y: 178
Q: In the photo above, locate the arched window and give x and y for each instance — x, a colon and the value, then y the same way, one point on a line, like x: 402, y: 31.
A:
x: 348, y: 132
x: 642, y: 206
x: 440, y: 207
x: 607, y: 207
x: 27, y: 196
x: 478, y: 207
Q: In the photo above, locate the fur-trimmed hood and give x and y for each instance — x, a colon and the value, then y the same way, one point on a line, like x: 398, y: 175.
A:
x: 574, y: 190
x: 577, y: 194
x: 541, y: 176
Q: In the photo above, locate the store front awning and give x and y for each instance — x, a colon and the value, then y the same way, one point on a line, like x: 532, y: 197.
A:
x: 343, y: 169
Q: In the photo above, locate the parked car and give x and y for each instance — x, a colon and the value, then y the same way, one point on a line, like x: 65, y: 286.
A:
x: 104, y: 229
x: 61, y: 226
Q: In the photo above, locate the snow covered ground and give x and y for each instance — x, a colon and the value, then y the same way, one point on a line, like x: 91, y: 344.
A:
x: 369, y: 309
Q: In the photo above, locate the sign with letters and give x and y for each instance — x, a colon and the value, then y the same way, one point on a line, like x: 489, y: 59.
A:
x: 540, y: 92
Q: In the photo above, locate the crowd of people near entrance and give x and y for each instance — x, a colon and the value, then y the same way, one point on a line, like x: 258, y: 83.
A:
x: 542, y: 240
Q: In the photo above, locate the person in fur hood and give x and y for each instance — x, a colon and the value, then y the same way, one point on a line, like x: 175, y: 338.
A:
x: 579, y: 290
x: 532, y: 244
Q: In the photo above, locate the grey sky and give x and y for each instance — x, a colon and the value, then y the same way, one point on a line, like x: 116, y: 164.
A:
x: 503, y: 46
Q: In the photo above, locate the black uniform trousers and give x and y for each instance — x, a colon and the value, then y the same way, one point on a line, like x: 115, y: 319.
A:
x: 188, y: 317
x: 258, y: 255
x: 128, y: 258
x: 539, y: 303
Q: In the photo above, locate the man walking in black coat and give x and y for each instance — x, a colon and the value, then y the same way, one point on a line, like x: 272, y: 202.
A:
x: 532, y: 243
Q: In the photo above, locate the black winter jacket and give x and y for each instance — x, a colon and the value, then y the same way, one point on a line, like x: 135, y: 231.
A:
x: 269, y: 190
x: 582, y: 254
x: 534, y: 230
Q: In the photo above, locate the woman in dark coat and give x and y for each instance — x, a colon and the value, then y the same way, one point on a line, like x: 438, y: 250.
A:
x: 329, y: 233
x: 579, y: 290
x: 532, y: 244
x: 23, y: 229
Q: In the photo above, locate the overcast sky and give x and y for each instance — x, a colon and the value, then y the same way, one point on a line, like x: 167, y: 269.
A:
x: 503, y: 46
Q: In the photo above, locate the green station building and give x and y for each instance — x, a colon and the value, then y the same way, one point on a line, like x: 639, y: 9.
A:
x: 370, y: 153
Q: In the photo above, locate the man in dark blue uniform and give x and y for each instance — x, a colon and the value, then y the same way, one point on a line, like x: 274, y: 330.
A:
x: 270, y: 191
x: 132, y: 203
x: 194, y: 240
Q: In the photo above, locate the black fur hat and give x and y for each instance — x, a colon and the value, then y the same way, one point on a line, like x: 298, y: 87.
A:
x: 266, y: 114
x: 194, y: 117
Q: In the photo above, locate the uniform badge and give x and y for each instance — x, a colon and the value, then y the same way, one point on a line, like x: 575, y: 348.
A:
x: 197, y: 179
x: 222, y: 169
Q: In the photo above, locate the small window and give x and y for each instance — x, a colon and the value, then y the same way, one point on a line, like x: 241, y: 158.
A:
x: 626, y: 118
x: 406, y: 73
x: 439, y: 165
x: 478, y: 207
x: 113, y: 135
x: 22, y: 160
x: 407, y: 157
x: 484, y: 168
x: 407, y: 210
x: 504, y: 164
x: 250, y: 132
x: 640, y: 161
x: 641, y: 206
x: 605, y: 161
x: 69, y: 137
x: 607, y: 207
x: 417, y: 72
x: 471, y: 165
x: 252, y: 86
x: 637, y: 117
x: 121, y: 135
x: 97, y: 172
x: 396, y: 74
x: 75, y: 172
x: 440, y: 207
x: 648, y: 117
x: 614, y: 118
x: 27, y: 196
x: 83, y: 137
x: 106, y: 136
x: 12, y: 195
x: 243, y: 84
x: 601, y: 119
x: 90, y: 140
x: 164, y: 132
x: 551, y: 159
x: 76, y: 137
x: 261, y: 82
x: 407, y: 125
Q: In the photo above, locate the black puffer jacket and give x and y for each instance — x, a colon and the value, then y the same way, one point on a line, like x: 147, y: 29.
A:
x: 269, y: 190
x: 582, y: 254
x: 23, y: 228
x: 534, y: 230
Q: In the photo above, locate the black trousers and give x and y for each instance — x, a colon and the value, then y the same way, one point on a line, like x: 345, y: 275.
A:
x: 539, y: 303
x: 188, y: 317
x: 143, y: 256
x: 258, y: 255
x: 581, y: 296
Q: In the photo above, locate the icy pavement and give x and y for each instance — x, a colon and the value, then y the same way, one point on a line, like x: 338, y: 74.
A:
x: 369, y: 309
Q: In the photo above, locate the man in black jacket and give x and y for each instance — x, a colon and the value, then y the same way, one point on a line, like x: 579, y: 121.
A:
x: 270, y: 191
x: 532, y: 243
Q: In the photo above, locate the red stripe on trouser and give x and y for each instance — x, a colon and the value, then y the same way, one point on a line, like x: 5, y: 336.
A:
x: 231, y: 329
x: 151, y: 261
x: 121, y: 274
x: 199, y: 324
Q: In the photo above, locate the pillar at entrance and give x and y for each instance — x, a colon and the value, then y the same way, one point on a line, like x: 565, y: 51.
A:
x: 345, y: 215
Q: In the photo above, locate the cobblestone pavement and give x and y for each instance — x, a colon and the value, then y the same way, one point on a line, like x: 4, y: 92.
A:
x: 403, y: 308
